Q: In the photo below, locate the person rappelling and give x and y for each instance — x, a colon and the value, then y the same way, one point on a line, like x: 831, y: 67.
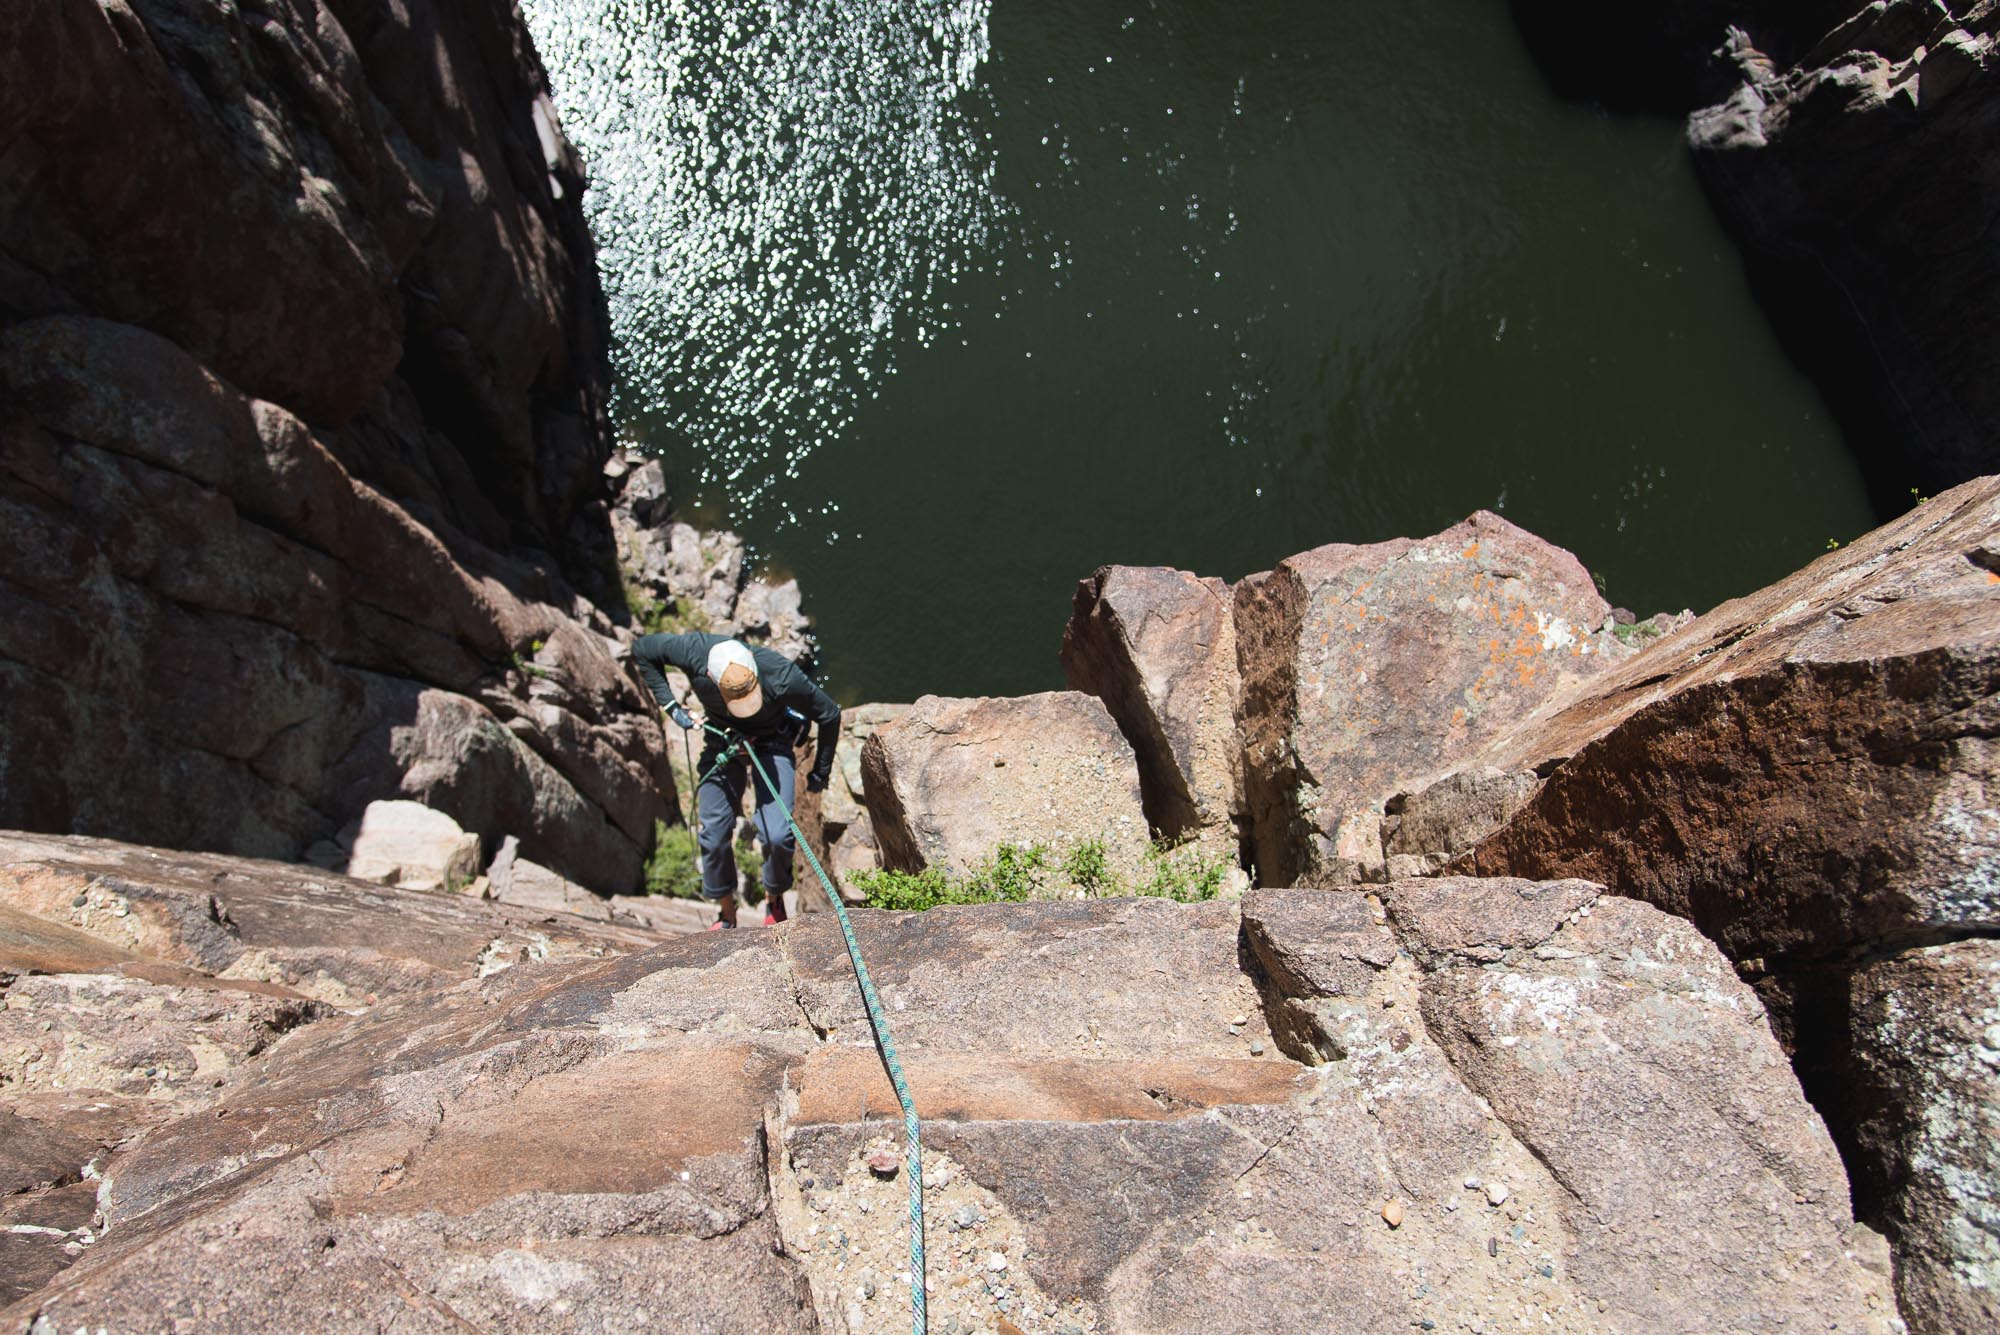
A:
x: 760, y: 699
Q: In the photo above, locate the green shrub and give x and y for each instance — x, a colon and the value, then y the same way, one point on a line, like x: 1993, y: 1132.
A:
x: 907, y: 890
x: 674, y: 868
x: 1014, y: 873
x: 1089, y: 869
x: 1182, y: 873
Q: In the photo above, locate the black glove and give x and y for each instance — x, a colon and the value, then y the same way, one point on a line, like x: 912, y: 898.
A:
x: 682, y: 719
x: 815, y: 782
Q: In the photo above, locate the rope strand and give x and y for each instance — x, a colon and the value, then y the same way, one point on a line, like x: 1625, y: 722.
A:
x: 884, y: 1045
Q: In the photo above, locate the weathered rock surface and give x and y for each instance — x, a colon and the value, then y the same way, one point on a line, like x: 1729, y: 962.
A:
x: 302, y: 434
x: 678, y: 576
x: 258, y: 644
x: 836, y: 823
x: 953, y: 778
x: 680, y: 1138
x: 1368, y: 668
x: 1799, y: 772
x: 1806, y: 775
x: 409, y: 845
x: 1861, y: 177
x: 138, y: 985
x: 185, y: 917
x: 1925, y: 1108
x: 1159, y: 648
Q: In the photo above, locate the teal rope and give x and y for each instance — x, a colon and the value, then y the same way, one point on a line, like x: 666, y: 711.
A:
x: 913, y: 1158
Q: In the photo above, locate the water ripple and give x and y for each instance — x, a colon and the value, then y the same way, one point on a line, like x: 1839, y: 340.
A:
x: 774, y: 187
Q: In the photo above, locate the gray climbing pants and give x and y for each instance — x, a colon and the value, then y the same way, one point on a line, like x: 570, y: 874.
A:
x: 721, y: 797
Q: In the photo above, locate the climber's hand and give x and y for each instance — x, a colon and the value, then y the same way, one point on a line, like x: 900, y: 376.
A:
x: 682, y: 719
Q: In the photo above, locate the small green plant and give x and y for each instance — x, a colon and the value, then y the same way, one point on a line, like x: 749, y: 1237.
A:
x: 911, y: 891
x: 1181, y: 873
x: 1089, y: 869
x: 1015, y: 873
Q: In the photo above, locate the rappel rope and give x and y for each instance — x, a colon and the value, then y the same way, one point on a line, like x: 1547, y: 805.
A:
x: 913, y: 1162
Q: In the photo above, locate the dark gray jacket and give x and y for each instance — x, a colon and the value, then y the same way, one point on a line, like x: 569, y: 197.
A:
x: 785, y: 687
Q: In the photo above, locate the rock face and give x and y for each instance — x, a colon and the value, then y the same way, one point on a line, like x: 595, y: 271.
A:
x: 1805, y: 774
x: 679, y: 1138
x: 1861, y: 177
x: 138, y: 985
x: 1159, y: 648
x: 1925, y: 1068
x: 1368, y: 668
x: 302, y: 376
x: 680, y: 578
x: 1800, y: 772
x: 836, y: 823
x: 953, y: 778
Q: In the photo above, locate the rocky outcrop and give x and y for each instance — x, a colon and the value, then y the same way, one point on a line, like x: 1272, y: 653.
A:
x: 952, y: 779
x: 139, y: 985
x: 1803, y: 774
x: 678, y: 577
x: 1800, y: 772
x: 303, y: 376
x: 836, y: 823
x: 1367, y: 668
x: 1924, y: 1106
x: 1861, y: 178
x: 1158, y: 647
x: 1849, y: 148
x: 680, y: 1138
x: 1663, y: 57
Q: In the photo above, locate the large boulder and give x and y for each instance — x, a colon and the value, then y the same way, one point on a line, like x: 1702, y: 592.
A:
x: 1862, y: 175
x: 1159, y: 648
x: 836, y: 822
x: 1800, y: 772
x: 683, y: 1138
x: 1806, y: 775
x: 1368, y: 668
x: 953, y: 778
x: 1512, y: 1037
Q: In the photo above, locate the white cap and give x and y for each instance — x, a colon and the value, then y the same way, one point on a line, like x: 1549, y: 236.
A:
x: 734, y: 671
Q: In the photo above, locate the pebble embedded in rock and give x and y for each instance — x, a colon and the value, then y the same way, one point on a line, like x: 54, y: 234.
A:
x: 1240, y: 1020
x: 884, y: 1163
x: 996, y: 1262
x: 1496, y: 1193
x: 1392, y: 1214
x: 1257, y: 1047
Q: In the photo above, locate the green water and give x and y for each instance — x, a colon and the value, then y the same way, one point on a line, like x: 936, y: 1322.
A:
x: 1204, y: 286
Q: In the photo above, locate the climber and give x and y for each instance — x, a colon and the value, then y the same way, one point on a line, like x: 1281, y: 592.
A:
x: 764, y: 699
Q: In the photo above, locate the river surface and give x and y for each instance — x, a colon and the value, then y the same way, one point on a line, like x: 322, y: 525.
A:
x: 944, y: 304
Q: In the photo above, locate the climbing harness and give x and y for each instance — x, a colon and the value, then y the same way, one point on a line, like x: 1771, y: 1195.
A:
x: 913, y: 1161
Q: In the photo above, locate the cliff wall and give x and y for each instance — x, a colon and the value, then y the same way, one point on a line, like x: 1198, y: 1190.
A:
x: 1850, y: 149
x: 302, y: 394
